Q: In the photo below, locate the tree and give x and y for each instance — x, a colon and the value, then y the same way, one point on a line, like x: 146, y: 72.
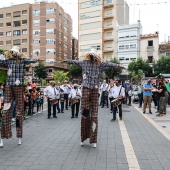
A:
x: 140, y: 64
x: 60, y: 76
x: 2, y: 51
x: 112, y: 72
x: 137, y: 77
x: 3, y: 76
x: 40, y: 71
x: 75, y: 70
x: 162, y: 65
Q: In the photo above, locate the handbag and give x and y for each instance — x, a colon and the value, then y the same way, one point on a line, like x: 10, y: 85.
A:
x: 116, y: 102
x: 74, y: 100
x: 53, y: 101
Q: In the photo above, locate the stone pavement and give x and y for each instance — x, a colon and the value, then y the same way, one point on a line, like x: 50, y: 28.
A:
x: 54, y: 144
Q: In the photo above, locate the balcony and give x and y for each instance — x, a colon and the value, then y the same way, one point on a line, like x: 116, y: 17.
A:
x: 108, y: 16
x: 108, y: 39
x: 108, y: 27
x: 108, y: 49
x: 150, y: 48
x: 108, y: 3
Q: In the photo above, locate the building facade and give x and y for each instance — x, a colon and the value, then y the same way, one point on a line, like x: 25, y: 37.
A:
x: 164, y: 49
x: 42, y: 30
x: 75, y: 55
x: 149, y: 46
x: 97, y: 25
x: 128, y: 43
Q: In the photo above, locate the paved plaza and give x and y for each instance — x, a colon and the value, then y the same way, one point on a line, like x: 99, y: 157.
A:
x: 138, y: 142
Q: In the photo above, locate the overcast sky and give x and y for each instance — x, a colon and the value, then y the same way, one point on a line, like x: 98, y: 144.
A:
x: 154, y: 17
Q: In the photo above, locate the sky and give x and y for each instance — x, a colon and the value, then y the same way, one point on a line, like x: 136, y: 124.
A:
x: 154, y: 14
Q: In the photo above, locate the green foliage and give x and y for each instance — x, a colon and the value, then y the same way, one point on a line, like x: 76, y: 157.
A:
x: 140, y: 64
x: 43, y: 82
x: 40, y: 71
x: 25, y: 81
x: 112, y: 72
x: 60, y: 76
x: 162, y: 65
x: 3, y: 76
x: 75, y: 70
x: 137, y: 77
x: 2, y: 51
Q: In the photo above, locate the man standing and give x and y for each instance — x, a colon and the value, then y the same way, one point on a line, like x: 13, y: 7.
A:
x: 129, y: 88
x: 147, y: 95
x: 91, y: 68
x: 118, y: 93
x: 51, y: 93
x: 104, y: 97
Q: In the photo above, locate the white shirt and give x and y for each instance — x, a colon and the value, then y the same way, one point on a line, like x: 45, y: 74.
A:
x: 74, y: 93
x: 104, y: 87
x: 65, y: 88
x: 116, y: 90
x: 50, y: 91
x: 110, y: 90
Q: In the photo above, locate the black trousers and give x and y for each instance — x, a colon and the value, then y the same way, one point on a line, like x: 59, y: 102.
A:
x: 66, y: 100
x: 111, y: 106
x: 49, y: 109
x: 60, y: 104
x: 104, y: 99
x: 77, y: 105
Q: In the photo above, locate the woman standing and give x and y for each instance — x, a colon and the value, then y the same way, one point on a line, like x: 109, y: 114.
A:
x: 111, y: 87
x: 161, y: 92
x: 75, y: 96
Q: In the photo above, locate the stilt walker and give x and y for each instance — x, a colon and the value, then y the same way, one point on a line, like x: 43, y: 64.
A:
x: 91, y: 68
x: 14, y: 89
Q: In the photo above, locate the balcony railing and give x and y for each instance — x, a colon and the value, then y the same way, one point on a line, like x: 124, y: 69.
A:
x: 108, y: 2
x: 150, y: 47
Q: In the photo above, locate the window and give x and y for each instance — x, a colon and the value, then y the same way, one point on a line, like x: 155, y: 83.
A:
x: 8, y: 42
x: 24, y: 40
x: 121, y: 47
x: 85, y: 48
x: 36, y: 32
x: 24, y: 50
x: 8, y: 24
x: 59, y: 34
x: 8, y: 33
x: 65, y: 46
x: 1, y: 42
x: 150, y: 59
x: 65, y: 38
x: 59, y: 53
x: 65, y: 29
x: 24, y: 21
x: 17, y: 14
x: 24, y: 12
x: 127, y: 46
x: 17, y: 23
x: 17, y: 42
x: 133, y: 46
x: 24, y: 31
x: 50, y: 70
x: 36, y: 42
x: 92, y: 36
x: 60, y: 25
x: 1, y: 15
x: 50, y: 21
x: 92, y: 14
x: 1, y: 24
x: 50, y: 31
x: 150, y: 43
x: 50, y: 10
x: 89, y: 4
x: 91, y: 25
x: 36, y: 52
x: 8, y: 15
x: 108, y: 23
x: 65, y: 55
x: 50, y: 51
x: 50, y: 41
x: 17, y: 33
x: 65, y: 20
x: 36, y: 22
x: 60, y: 15
x: 1, y: 34
x: 59, y: 44
x: 36, y: 12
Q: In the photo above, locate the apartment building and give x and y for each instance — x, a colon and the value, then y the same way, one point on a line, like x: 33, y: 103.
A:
x: 128, y: 43
x: 74, y: 48
x: 42, y: 30
x: 149, y: 46
x: 97, y: 25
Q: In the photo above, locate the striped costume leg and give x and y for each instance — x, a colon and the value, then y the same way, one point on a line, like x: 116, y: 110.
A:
x: 94, y: 115
x: 6, y: 132
x: 19, y: 97
x: 85, y: 122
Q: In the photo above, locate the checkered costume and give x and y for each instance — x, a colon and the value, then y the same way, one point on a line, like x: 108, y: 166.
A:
x: 91, y: 79
x: 13, y: 91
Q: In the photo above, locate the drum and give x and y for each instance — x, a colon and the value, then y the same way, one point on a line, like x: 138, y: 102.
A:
x: 116, y: 102
x: 53, y: 101
x: 74, y: 100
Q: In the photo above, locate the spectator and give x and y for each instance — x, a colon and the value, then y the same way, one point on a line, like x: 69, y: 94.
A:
x: 128, y: 92
x: 140, y: 95
x: 33, y: 85
x: 147, y: 95
x: 34, y: 96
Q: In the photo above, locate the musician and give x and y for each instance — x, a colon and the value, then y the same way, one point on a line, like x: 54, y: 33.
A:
x: 75, y: 96
x: 110, y: 93
x: 58, y: 87
x: 104, y: 97
x: 118, y: 93
x: 50, y: 93
x: 66, y: 87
